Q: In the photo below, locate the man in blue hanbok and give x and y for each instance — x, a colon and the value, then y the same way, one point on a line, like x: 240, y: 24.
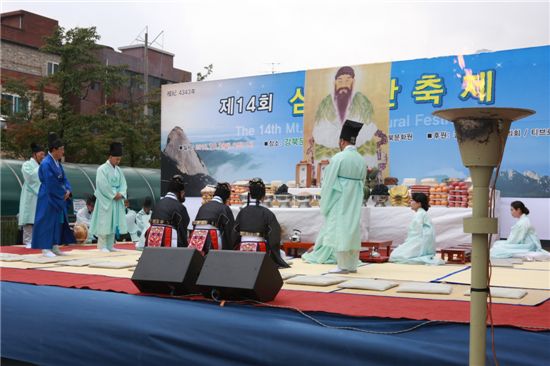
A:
x: 51, y: 225
x: 339, y: 240
x: 109, y: 216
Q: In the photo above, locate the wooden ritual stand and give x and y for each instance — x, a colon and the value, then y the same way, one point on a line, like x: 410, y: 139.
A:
x: 378, y: 244
x: 292, y: 248
x: 456, y: 255
x: 304, y: 174
x: 365, y: 255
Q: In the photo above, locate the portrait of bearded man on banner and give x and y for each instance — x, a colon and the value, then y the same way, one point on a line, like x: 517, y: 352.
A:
x: 347, y: 100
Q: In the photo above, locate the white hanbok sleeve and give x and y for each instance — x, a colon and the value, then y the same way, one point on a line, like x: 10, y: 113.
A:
x: 82, y: 216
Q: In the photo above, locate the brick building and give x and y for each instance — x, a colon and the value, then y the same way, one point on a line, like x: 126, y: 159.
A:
x: 22, y: 36
x: 161, y: 71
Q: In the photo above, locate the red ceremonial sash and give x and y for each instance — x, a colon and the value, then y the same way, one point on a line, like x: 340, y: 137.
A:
x: 158, y: 235
x: 252, y: 246
x: 199, y: 238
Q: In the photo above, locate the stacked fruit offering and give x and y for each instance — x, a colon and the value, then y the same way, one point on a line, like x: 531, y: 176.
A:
x: 439, y: 195
x: 237, y: 189
x: 419, y: 188
x: 459, y: 194
x: 399, y: 196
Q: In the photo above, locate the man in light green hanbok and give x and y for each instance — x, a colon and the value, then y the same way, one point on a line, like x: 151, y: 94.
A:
x: 109, y: 216
x: 29, y: 193
x: 339, y: 240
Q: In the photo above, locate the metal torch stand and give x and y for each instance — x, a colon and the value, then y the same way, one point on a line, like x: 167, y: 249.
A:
x: 479, y: 225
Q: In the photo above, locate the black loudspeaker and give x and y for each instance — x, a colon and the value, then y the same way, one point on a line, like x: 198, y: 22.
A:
x: 234, y: 275
x: 168, y: 270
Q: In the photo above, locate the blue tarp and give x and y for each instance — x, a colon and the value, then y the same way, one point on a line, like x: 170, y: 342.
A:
x: 58, y: 326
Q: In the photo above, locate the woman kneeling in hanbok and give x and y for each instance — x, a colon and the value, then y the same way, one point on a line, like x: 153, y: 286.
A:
x: 522, y: 241
x: 419, y: 247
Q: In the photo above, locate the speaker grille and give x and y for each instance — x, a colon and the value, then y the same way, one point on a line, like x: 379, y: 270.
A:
x: 239, y: 275
x: 168, y: 270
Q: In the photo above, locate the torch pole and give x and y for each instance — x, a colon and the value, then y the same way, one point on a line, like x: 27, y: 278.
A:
x: 481, y: 135
x: 481, y: 177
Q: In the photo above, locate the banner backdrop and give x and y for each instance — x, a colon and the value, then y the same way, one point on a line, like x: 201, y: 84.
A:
x: 263, y: 126
x: 422, y: 145
x: 235, y: 129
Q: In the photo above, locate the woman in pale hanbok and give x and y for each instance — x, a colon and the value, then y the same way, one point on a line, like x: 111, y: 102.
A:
x: 522, y: 241
x: 419, y: 246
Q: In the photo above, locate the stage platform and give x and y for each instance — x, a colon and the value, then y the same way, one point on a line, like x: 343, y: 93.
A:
x: 380, y: 311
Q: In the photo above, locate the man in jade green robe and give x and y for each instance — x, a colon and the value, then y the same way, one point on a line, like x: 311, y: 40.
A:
x: 339, y: 240
x: 29, y: 192
x: 109, y: 216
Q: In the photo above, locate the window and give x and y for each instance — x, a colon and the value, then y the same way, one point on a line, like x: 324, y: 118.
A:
x: 52, y: 68
x: 13, y: 104
x: 154, y: 83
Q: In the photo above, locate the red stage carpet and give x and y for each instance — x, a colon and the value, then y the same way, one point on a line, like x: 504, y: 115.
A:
x: 528, y: 317
x: 22, y: 250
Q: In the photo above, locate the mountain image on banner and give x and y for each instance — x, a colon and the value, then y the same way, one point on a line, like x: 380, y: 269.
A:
x: 528, y: 184
x: 179, y: 157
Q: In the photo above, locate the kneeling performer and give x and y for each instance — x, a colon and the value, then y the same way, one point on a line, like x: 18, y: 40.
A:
x: 214, y: 223
x: 170, y: 219
x: 257, y: 228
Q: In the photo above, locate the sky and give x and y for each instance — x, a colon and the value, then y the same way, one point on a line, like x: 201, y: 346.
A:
x: 255, y: 37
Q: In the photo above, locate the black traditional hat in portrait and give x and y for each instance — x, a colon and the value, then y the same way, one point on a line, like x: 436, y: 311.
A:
x: 346, y: 70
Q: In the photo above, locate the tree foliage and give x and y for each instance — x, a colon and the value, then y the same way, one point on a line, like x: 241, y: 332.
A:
x: 209, y: 70
x: 28, y: 125
x: 87, y: 137
x: 79, y: 70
